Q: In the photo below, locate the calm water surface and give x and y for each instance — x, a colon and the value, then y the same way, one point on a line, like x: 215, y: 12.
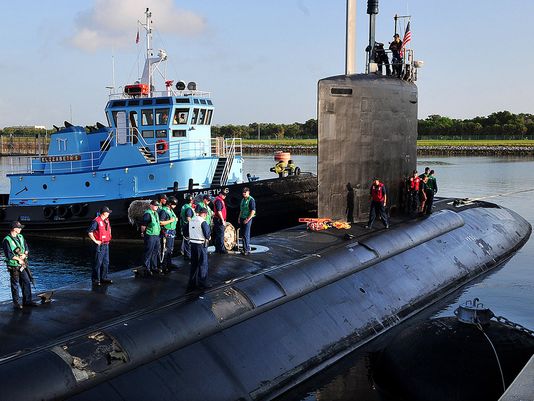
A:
x: 509, y: 291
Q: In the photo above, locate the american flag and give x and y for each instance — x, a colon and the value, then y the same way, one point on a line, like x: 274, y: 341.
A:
x: 407, y: 36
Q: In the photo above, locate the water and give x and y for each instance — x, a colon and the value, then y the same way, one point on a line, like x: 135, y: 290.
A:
x: 509, y: 291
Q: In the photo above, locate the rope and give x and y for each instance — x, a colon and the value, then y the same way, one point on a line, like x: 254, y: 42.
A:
x: 502, y: 194
x: 496, y: 356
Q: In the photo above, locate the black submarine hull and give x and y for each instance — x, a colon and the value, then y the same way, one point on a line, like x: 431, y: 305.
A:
x: 312, y: 298
x: 281, y: 201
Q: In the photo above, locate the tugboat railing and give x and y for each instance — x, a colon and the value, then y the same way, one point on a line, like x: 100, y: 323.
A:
x: 230, y: 157
x: 165, y: 93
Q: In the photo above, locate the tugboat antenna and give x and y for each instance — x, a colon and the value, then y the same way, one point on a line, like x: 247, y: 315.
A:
x: 148, y: 49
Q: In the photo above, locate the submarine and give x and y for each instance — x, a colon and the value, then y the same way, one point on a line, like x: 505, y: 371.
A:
x: 298, y: 303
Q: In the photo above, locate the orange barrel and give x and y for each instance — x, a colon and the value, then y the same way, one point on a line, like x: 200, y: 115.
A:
x: 284, y: 156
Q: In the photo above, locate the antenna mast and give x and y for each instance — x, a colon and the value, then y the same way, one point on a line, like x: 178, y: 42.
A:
x: 148, y: 29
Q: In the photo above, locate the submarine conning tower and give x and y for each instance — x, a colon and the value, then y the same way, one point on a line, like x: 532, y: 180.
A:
x: 367, y: 127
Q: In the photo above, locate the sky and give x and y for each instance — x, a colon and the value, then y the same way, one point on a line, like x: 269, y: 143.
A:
x: 260, y: 59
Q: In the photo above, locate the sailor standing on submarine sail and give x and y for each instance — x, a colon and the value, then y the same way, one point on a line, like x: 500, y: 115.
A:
x: 16, y: 253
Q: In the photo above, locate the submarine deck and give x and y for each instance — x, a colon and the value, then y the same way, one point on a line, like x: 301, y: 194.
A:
x: 81, y: 308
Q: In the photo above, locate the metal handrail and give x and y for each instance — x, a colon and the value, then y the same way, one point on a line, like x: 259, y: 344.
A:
x: 171, y: 92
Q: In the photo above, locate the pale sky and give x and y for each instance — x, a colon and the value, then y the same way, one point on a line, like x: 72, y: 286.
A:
x: 260, y: 59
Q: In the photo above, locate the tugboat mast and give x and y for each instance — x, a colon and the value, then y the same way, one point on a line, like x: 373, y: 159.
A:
x: 148, y: 29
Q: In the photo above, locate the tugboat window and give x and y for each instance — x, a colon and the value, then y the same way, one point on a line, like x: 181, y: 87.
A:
x: 148, y: 133
x: 164, y: 100
x: 178, y: 133
x: 87, y: 184
x: 201, y: 116
x: 161, y: 133
x: 119, y: 103
x: 147, y: 117
x: 182, y: 100
x: 180, y: 116
x: 45, y: 186
x: 162, y: 116
x: 202, y: 101
x: 133, y: 103
x: 151, y: 177
x: 147, y: 102
x: 209, y: 113
x: 195, y: 101
x: 209, y: 102
x: 195, y: 116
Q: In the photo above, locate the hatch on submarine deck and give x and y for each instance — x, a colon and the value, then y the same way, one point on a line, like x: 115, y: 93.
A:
x: 272, y: 319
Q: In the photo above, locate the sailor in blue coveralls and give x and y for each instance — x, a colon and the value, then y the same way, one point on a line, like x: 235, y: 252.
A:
x: 150, y: 231
x: 199, y: 235
x: 186, y: 214
x: 100, y: 233
x: 168, y: 221
x: 16, y: 254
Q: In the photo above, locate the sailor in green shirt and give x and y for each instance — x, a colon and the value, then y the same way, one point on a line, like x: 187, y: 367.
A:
x: 16, y: 253
x: 150, y: 231
x: 206, y: 200
x: 168, y: 221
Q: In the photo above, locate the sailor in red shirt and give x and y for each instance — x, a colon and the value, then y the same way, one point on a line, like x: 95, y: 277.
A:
x: 100, y: 234
x: 413, y: 193
x: 378, y: 203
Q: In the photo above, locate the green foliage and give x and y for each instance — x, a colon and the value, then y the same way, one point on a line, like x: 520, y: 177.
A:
x: 268, y: 130
x: 498, y: 125
x: 23, y: 131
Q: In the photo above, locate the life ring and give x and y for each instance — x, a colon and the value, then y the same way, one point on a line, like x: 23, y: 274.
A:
x: 161, y: 146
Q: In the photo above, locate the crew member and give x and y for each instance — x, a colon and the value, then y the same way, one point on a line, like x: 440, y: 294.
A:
x: 426, y: 173
x: 378, y: 195
x: 206, y: 200
x: 199, y: 234
x: 279, y: 168
x: 380, y: 57
x: 219, y: 221
x: 100, y: 233
x: 186, y: 214
x: 291, y: 167
x: 16, y: 255
x: 396, y: 58
x: 150, y: 231
x: 423, y: 194
x: 432, y: 185
x: 168, y: 222
x: 413, y: 193
x: 247, y: 210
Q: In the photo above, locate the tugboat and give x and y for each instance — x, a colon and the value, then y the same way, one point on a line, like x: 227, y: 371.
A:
x: 155, y: 142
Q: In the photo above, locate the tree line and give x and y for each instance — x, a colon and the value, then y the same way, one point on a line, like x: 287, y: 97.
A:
x: 498, y: 125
